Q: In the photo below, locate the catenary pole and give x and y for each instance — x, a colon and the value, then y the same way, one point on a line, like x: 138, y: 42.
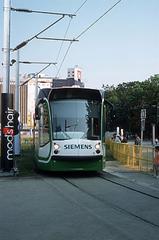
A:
x: 17, y: 136
x: 6, y: 46
x: 7, y: 112
x: 17, y: 82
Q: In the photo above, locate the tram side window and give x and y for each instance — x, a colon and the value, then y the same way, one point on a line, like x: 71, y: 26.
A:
x: 95, y: 127
x: 93, y: 120
x: 43, y: 125
x: 93, y: 132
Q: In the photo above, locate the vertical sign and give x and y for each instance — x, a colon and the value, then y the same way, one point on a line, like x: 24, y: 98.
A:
x: 143, y: 117
x: 143, y: 113
x: 7, y: 131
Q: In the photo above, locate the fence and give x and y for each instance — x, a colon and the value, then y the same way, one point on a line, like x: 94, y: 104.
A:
x: 135, y: 156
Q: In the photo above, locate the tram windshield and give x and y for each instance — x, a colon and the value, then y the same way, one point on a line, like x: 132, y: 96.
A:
x: 76, y: 119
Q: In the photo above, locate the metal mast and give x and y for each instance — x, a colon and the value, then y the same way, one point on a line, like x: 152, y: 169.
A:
x: 6, y: 46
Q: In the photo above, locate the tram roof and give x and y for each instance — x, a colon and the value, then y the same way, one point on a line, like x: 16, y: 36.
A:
x: 70, y: 93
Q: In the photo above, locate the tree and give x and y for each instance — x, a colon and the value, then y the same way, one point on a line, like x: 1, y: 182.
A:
x: 130, y: 98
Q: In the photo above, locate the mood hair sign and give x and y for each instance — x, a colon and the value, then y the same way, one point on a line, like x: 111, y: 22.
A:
x: 7, y: 131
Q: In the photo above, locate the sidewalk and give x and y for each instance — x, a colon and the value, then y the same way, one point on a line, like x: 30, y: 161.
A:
x: 140, y: 178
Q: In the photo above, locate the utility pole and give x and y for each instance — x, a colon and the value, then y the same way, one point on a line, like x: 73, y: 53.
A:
x: 7, y: 112
x: 6, y: 46
x: 17, y: 82
x: 17, y: 136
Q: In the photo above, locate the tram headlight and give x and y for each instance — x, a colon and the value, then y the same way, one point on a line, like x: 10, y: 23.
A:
x: 56, y: 148
x: 97, y: 147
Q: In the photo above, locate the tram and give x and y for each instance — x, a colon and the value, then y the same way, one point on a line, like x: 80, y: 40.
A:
x: 69, y: 130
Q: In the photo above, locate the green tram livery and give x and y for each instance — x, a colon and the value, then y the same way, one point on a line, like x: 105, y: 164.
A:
x: 69, y: 130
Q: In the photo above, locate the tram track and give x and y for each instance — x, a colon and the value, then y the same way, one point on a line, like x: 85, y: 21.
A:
x: 112, y: 205
x: 128, y: 187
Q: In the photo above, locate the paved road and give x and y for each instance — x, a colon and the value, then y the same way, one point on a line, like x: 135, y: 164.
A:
x: 80, y: 207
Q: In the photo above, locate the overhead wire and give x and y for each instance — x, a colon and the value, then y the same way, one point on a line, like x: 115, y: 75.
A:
x: 61, y: 45
x: 84, y: 31
x: 91, y: 25
x: 70, y: 20
x: 63, y: 59
x: 35, y: 75
x: 80, y: 7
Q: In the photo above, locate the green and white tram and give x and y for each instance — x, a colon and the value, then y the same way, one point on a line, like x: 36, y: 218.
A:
x: 69, y: 130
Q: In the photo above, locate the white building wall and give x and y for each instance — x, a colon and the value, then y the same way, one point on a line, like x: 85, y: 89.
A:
x: 75, y: 73
x: 32, y: 91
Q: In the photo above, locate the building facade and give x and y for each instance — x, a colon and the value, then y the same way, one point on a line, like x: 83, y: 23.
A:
x: 75, y: 73
x: 73, y: 79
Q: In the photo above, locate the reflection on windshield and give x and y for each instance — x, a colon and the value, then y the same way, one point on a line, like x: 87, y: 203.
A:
x: 75, y: 119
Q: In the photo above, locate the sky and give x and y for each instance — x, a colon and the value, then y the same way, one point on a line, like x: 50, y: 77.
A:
x: 123, y: 46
